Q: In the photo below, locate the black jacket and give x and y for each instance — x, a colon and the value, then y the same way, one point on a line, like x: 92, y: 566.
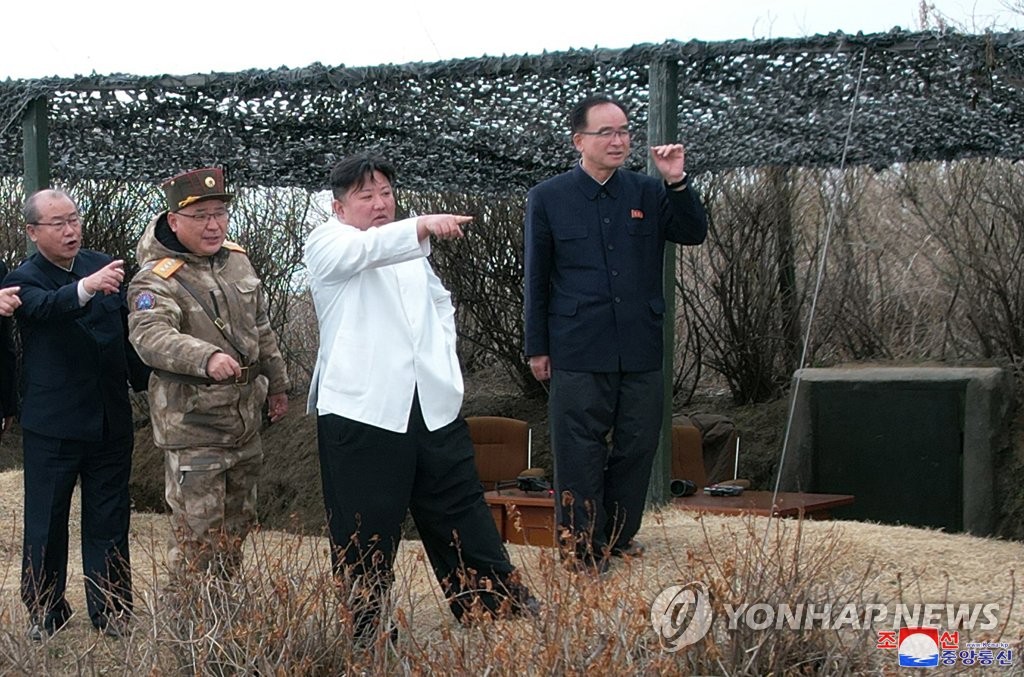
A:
x: 593, y: 267
x: 76, y: 360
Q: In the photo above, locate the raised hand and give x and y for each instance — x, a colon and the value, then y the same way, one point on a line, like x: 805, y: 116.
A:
x: 670, y: 160
x: 9, y: 300
x: 107, y: 279
x: 441, y: 226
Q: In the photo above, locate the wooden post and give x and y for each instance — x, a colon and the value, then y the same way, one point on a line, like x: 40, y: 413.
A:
x: 663, y: 127
x: 36, y: 152
x: 36, y: 130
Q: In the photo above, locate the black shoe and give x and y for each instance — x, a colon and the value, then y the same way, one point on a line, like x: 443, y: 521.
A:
x: 37, y: 633
x: 524, y: 604
x: 633, y: 548
x: 528, y: 607
x: 583, y: 561
x: 51, y: 624
x: 113, y: 626
x: 368, y: 639
x: 586, y: 566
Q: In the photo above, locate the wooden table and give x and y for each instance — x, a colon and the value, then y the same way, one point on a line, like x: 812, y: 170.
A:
x: 787, y: 504
x: 526, y: 518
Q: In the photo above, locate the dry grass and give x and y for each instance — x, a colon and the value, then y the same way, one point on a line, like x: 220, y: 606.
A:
x: 283, y: 615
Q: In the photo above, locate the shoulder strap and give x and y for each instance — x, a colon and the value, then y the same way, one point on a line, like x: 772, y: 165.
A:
x: 165, y: 268
x: 217, y: 322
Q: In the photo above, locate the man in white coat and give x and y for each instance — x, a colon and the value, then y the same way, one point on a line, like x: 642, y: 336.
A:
x: 387, y: 389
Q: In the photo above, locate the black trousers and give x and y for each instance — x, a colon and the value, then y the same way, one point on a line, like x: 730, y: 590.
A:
x: 52, y: 467
x: 371, y: 477
x: 604, y: 433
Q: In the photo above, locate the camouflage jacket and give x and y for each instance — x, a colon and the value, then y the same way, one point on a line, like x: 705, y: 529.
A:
x: 176, y: 337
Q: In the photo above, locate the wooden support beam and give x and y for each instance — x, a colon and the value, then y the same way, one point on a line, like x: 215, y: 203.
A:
x: 36, y: 151
x: 36, y: 131
x: 663, y: 127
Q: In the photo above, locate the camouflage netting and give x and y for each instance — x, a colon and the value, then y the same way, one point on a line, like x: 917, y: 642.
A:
x: 497, y: 125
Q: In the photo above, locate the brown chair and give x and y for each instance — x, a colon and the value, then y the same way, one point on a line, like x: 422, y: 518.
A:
x: 502, y: 448
x: 688, y: 455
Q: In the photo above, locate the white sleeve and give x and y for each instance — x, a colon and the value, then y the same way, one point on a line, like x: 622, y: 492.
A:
x: 83, y: 296
x: 335, y: 251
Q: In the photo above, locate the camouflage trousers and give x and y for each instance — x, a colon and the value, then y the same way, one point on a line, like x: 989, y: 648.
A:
x: 212, y: 495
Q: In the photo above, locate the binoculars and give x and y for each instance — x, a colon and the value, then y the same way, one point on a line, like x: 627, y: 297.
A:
x: 682, y: 488
x: 530, y: 483
x: 530, y: 480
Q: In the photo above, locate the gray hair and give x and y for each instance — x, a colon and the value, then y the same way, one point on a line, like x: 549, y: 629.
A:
x: 30, y: 210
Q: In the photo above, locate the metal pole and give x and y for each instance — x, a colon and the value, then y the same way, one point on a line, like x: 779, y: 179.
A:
x: 663, y: 127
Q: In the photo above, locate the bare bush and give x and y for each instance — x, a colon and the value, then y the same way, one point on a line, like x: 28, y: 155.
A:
x: 12, y: 235
x: 484, y: 272
x: 783, y: 565
x: 285, y: 614
x: 882, y: 298
x: 272, y: 224
x: 740, y: 294
x: 974, y: 212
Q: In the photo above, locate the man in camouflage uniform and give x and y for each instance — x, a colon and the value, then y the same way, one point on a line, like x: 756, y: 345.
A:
x: 199, y: 319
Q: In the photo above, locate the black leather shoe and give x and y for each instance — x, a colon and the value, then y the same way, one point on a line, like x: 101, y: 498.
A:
x: 586, y: 566
x: 632, y: 549
x: 113, y: 626
x: 51, y: 624
x: 527, y: 607
x: 367, y: 638
x: 523, y: 603
x: 37, y: 633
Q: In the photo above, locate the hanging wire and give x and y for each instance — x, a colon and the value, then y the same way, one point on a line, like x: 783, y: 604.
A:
x: 829, y: 225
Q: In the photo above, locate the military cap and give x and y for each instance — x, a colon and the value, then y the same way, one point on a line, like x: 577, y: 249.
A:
x: 195, y: 186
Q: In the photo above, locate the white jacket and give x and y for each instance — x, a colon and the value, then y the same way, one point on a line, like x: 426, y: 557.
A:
x: 387, y: 327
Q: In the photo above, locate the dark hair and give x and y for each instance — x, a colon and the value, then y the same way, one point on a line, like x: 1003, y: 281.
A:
x: 578, y: 116
x: 355, y: 170
x: 30, y: 210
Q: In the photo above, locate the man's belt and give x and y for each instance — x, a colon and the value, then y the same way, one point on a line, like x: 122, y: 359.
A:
x: 249, y: 375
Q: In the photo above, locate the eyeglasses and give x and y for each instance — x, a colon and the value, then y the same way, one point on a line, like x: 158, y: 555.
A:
x: 73, y: 220
x: 608, y: 134
x: 220, y: 216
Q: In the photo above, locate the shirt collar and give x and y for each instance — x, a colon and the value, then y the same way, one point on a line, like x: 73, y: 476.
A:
x: 592, y: 188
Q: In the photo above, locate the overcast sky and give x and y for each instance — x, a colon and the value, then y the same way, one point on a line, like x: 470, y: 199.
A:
x: 143, y: 37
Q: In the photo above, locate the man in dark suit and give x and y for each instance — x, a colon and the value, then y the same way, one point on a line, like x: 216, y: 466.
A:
x: 9, y: 302
x: 595, y: 239
x: 76, y: 417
